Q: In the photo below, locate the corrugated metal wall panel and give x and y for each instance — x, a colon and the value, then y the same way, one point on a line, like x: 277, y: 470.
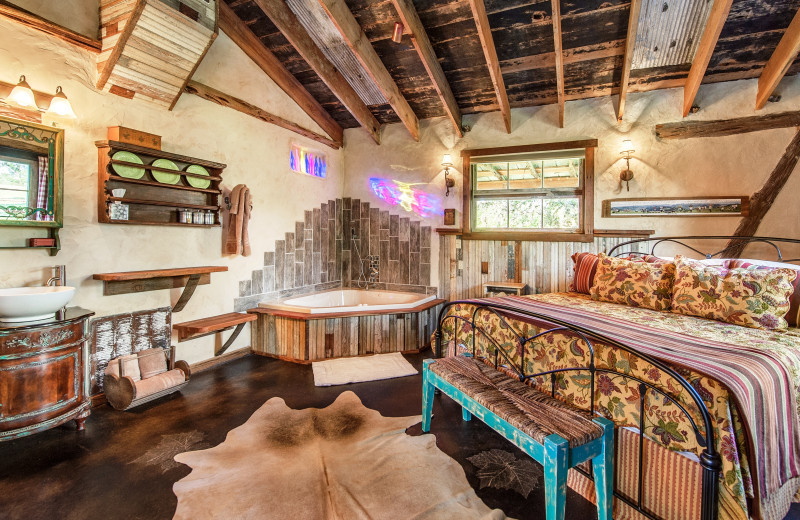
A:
x: 669, y: 32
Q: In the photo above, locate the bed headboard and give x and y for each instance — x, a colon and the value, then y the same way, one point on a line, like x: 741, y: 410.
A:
x: 714, y: 246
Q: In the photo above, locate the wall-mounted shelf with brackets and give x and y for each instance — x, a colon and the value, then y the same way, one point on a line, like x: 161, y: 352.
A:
x: 153, y: 192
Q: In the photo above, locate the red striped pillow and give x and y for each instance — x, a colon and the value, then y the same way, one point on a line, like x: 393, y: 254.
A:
x: 585, y: 269
x: 793, y: 315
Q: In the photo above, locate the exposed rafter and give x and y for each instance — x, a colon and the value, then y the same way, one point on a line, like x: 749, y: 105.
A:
x: 271, y: 65
x: 489, y: 52
x: 38, y: 23
x: 718, y: 128
x: 559, y: 59
x: 574, y: 55
x: 630, y: 42
x: 716, y: 19
x: 780, y: 61
x: 226, y: 100
x: 358, y: 42
x: 410, y: 19
x: 286, y: 22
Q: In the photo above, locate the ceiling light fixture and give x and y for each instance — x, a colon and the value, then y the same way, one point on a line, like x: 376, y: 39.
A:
x: 397, y: 34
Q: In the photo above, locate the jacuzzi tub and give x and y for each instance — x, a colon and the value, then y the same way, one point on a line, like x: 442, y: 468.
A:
x: 350, y: 300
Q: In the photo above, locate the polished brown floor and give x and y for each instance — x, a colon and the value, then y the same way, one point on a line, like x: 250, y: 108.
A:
x: 120, y: 467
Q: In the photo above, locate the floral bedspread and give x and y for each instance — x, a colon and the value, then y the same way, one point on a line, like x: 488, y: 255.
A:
x: 758, y: 452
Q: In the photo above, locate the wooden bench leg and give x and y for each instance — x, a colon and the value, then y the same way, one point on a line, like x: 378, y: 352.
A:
x: 427, y: 397
x: 603, y: 468
x: 556, y: 455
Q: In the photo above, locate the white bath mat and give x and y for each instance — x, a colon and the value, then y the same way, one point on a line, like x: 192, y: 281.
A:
x: 358, y: 369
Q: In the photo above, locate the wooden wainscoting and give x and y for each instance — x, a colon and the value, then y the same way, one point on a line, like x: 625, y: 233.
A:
x: 303, y: 339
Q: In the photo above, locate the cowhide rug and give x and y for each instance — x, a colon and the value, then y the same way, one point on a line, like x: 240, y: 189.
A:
x: 343, y: 462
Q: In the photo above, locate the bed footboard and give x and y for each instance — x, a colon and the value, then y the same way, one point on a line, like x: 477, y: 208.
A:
x: 520, y: 360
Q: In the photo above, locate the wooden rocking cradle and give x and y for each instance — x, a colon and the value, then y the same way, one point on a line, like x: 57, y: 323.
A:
x: 143, y: 376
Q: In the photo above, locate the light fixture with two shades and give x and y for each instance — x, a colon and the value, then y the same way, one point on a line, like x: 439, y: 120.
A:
x: 22, y: 96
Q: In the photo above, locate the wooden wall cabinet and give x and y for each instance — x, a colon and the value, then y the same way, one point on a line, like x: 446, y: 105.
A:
x: 44, y: 374
x: 151, y: 202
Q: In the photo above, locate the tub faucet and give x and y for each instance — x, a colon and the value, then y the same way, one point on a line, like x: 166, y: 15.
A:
x: 61, y: 276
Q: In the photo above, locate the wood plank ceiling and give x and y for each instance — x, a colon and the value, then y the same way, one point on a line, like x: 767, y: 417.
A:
x: 593, y: 40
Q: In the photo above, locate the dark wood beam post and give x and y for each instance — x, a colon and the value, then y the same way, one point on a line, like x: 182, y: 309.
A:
x: 716, y: 19
x: 410, y: 19
x: 762, y: 200
x: 559, y: 59
x: 630, y: 43
x: 717, y: 128
x: 272, y: 66
x: 490, y: 53
x: 288, y: 24
x: 365, y: 53
x: 780, y: 61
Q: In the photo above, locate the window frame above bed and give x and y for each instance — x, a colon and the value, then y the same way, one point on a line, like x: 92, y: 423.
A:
x: 585, y: 192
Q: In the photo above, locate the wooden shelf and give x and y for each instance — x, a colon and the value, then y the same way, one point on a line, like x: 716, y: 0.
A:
x: 117, y: 145
x: 141, y: 281
x: 203, y: 327
x: 150, y: 202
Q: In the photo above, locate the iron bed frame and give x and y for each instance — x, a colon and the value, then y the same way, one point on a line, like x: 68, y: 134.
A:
x: 709, y: 459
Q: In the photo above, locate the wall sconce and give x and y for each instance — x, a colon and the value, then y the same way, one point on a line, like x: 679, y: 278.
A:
x: 627, y: 152
x: 449, y: 182
x: 397, y: 34
x: 60, y: 105
x: 22, y: 94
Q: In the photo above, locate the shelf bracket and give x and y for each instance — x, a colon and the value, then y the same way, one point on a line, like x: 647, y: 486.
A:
x: 188, y: 291
x: 231, y: 339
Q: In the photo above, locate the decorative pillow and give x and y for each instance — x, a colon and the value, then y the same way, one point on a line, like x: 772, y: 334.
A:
x: 130, y: 366
x: 152, y: 362
x: 585, y: 268
x: 793, y: 316
x: 633, y: 283
x: 752, y: 298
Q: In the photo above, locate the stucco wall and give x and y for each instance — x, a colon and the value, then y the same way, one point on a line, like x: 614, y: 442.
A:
x: 733, y: 165
x: 82, y: 16
x: 256, y: 154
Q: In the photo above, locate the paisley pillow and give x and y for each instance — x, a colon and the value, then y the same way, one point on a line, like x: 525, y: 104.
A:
x: 585, y: 265
x: 793, y: 316
x: 751, y: 298
x: 633, y: 283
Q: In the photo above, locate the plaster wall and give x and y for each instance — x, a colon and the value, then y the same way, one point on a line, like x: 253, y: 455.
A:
x: 83, y: 16
x: 256, y: 154
x: 722, y: 166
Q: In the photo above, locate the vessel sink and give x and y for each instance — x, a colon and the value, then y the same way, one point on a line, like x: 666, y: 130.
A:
x: 33, y: 303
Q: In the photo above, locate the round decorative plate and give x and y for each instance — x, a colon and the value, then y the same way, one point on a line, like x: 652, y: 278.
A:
x: 164, y: 177
x: 194, y: 181
x: 129, y: 172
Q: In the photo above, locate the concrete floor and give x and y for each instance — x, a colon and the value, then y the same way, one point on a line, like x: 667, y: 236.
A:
x: 121, y: 465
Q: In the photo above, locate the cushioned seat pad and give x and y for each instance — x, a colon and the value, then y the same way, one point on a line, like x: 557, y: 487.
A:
x: 526, y: 409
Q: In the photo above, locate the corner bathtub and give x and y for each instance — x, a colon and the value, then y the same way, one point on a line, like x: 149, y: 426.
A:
x: 350, y: 300
x: 344, y: 323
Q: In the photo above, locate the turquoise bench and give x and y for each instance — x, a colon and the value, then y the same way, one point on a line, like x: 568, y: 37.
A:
x: 553, y: 433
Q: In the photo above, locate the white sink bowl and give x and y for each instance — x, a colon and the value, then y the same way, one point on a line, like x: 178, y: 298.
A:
x: 33, y: 303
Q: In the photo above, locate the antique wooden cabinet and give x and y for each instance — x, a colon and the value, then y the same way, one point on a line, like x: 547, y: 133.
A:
x: 44, y: 373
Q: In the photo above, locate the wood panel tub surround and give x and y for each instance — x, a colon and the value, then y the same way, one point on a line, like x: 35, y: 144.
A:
x: 304, y: 338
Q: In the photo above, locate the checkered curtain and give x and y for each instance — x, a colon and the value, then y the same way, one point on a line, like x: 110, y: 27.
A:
x: 41, y: 195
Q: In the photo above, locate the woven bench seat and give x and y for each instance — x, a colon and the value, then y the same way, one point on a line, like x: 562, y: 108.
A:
x: 553, y: 433
x: 526, y: 409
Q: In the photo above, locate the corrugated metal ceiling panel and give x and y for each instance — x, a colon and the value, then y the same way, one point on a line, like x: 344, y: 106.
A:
x: 327, y: 37
x: 669, y: 32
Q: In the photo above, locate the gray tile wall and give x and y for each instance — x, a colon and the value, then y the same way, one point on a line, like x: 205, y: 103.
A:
x: 326, y: 249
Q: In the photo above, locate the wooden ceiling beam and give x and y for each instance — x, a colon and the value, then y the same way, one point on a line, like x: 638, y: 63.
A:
x: 358, y: 42
x: 780, y: 61
x: 574, y: 55
x: 559, y: 58
x: 288, y: 24
x: 718, y: 128
x: 716, y: 19
x: 272, y: 66
x: 225, y: 100
x: 490, y: 53
x: 410, y: 19
x: 630, y: 43
x: 38, y: 23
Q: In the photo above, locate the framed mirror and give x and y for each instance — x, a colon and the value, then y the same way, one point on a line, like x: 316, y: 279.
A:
x: 31, y: 174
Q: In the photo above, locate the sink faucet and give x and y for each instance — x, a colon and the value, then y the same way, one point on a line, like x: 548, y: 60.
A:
x: 61, y: 276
